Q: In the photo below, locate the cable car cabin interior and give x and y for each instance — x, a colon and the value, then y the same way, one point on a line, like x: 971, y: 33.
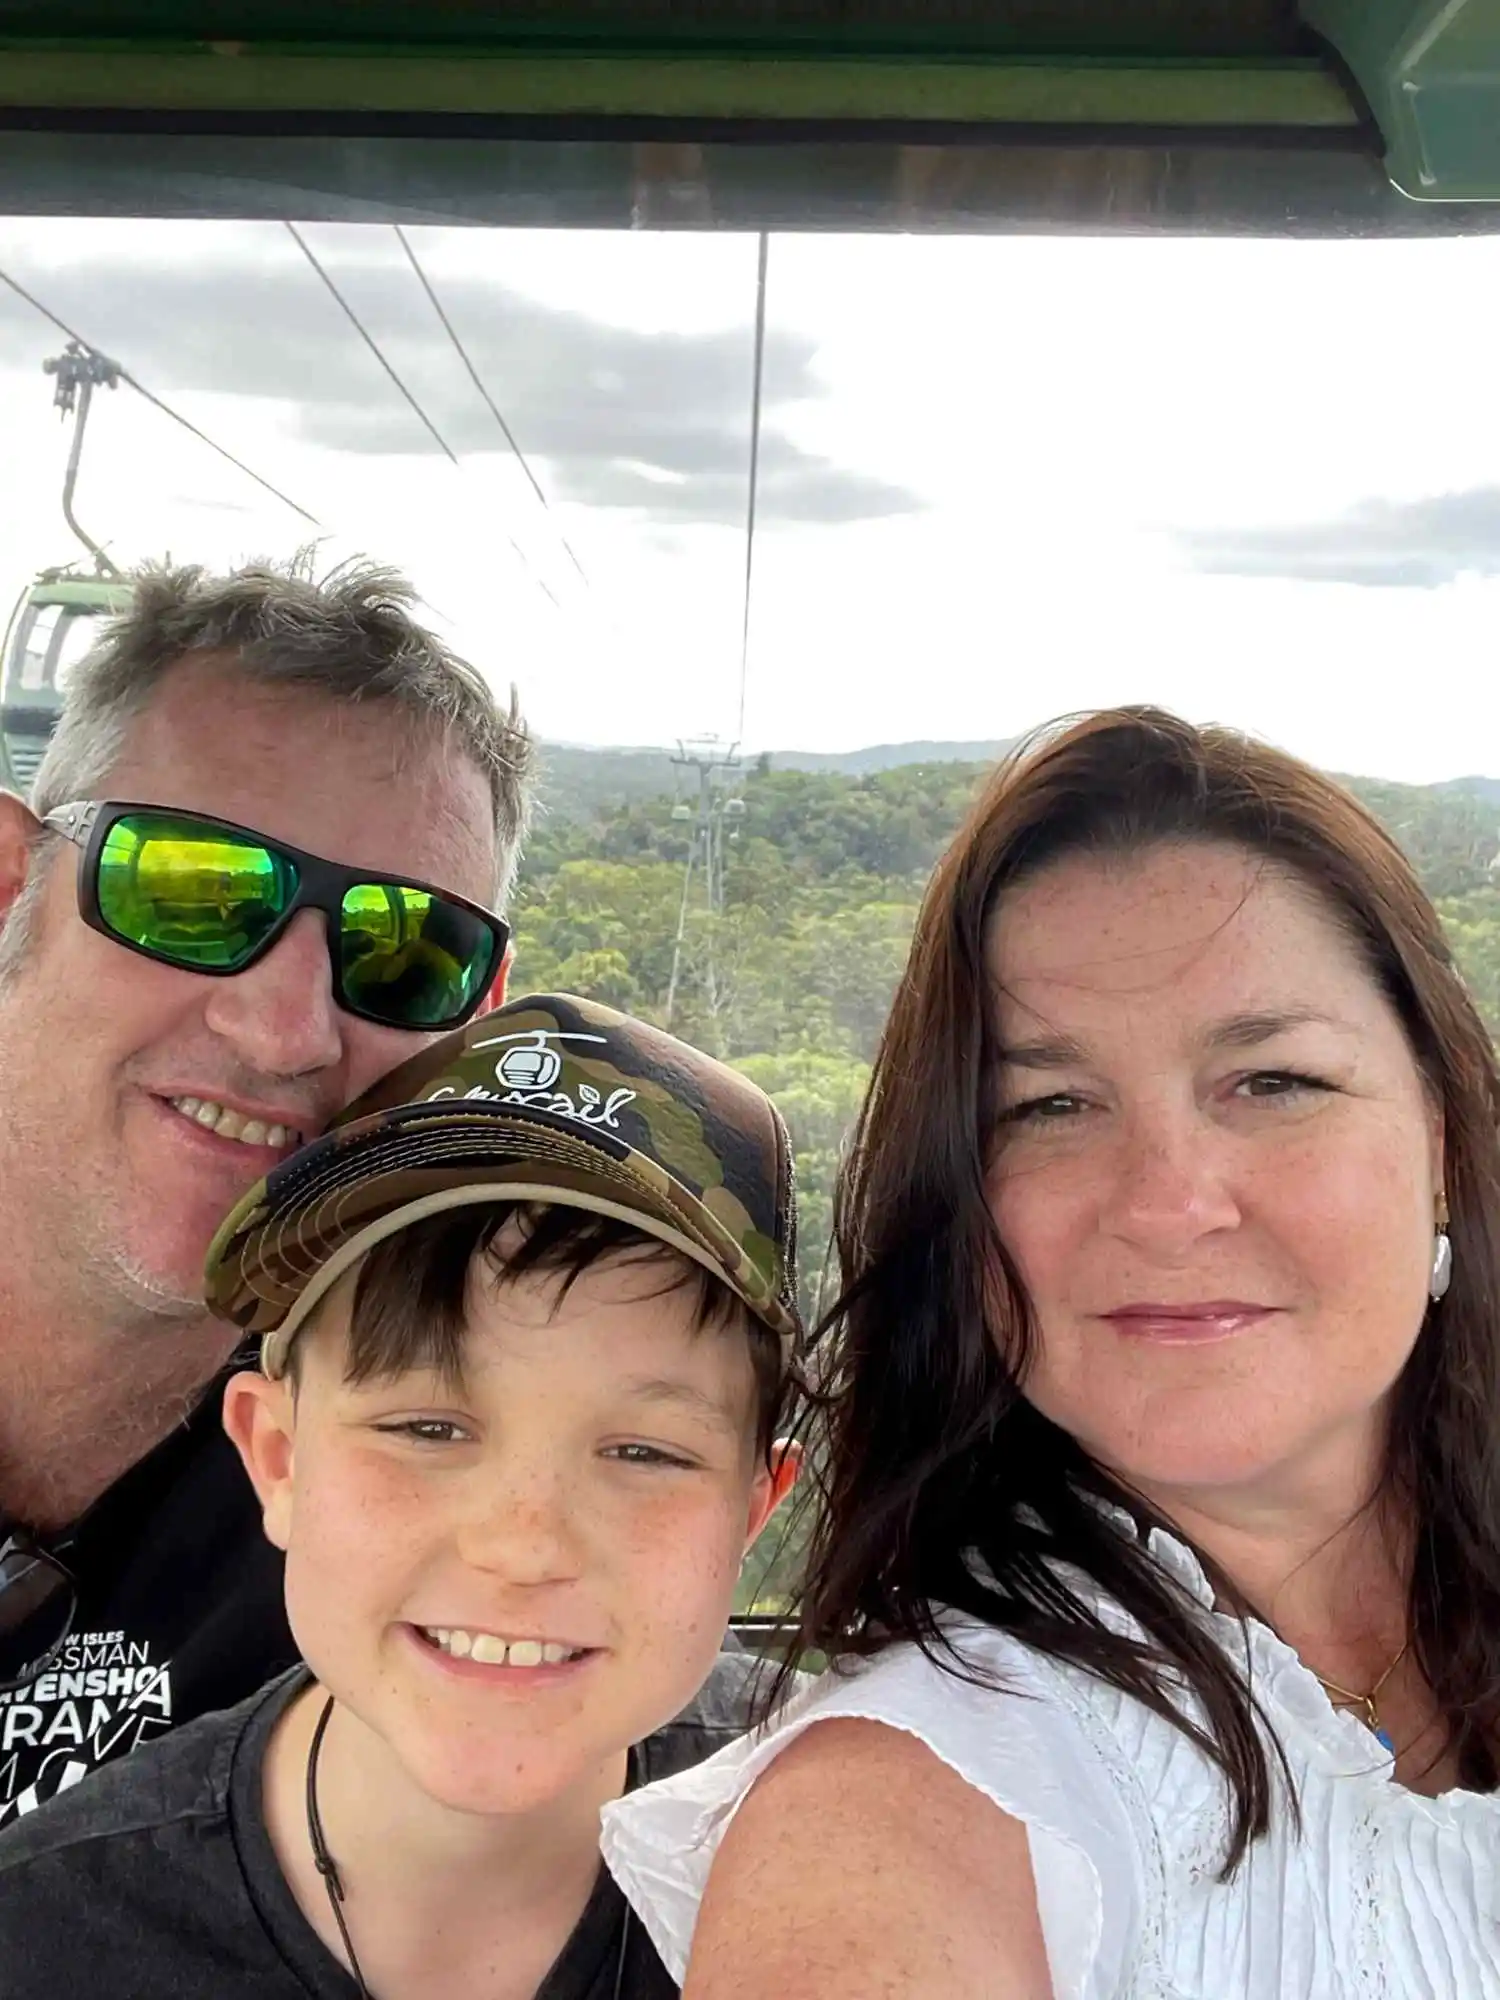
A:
x: 313, y: 158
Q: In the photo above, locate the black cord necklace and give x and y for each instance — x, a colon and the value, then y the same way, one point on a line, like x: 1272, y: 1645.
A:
x: 324, y: 1862
x: 322, y: 1859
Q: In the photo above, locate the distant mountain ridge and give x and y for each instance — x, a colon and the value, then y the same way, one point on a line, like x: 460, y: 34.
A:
x: 888, y: 757
x: 577, y: 780
x: 1479, y: 788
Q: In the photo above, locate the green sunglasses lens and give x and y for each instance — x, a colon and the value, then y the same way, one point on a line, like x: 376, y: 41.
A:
x: 193, y: 895
x: 410, y: 957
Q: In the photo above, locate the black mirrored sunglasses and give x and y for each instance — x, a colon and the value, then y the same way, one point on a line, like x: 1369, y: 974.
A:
x: 38, y: 1603
x: 209, y: 896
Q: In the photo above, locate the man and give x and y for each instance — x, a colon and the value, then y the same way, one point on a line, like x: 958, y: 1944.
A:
x: 182, y: 1005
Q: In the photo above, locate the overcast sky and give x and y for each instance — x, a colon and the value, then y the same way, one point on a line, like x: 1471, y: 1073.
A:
x: 1000, y: 479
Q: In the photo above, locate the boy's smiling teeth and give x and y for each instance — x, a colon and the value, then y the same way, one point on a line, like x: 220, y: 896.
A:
x: 493, y: 1652
x: 227, y: 1124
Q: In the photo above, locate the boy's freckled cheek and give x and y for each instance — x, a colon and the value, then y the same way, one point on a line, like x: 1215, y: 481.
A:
x: 683, y: 1522
x: 686, y: 1560
x: 342, y: 1513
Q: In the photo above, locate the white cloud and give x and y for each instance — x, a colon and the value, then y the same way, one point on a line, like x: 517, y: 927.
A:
x: 1066, y: 409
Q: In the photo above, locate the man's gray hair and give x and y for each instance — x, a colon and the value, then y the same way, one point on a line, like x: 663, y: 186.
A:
x: 350, y: 636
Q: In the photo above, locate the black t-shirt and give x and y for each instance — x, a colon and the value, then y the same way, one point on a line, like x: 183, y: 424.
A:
x: 180, y: 1612
x: 157, y: 1880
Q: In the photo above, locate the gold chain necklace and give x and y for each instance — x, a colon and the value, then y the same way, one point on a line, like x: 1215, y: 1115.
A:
x: 1369, y: 1714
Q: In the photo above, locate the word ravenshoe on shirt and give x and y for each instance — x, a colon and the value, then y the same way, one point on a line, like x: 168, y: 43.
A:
x: 180, y: 1611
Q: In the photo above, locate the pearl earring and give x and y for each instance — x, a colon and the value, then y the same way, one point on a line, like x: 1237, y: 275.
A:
x: 1442, y: 1255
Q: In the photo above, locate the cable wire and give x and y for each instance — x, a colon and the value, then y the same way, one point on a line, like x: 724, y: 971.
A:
x: 369, y: 340
x: 494, y: 409
x: 156, y: 401
x: 448, y: 327
x: 760, y: 364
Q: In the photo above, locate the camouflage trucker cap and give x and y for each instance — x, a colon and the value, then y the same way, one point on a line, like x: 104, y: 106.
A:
x: 548, y: 1099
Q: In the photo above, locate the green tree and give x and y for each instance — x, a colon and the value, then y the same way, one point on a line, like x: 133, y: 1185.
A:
x: 818, y: 1095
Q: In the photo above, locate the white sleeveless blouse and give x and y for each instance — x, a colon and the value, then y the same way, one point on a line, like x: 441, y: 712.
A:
x: 1384, y: 1893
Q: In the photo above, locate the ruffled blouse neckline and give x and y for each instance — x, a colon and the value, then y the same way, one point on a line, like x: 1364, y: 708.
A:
x: 1294, y: 1699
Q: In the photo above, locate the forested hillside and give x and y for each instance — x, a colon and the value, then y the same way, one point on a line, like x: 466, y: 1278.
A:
x: 822, y: 874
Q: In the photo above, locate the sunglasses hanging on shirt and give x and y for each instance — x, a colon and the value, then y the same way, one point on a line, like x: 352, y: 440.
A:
x: 38, y: 1603
x: 208, y: 896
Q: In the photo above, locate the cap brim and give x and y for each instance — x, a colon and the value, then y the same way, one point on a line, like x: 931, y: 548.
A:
x: 272, y: 1264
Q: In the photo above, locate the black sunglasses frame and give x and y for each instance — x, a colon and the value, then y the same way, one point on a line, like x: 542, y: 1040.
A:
x: 321, y: 885
x: 16, y: 1542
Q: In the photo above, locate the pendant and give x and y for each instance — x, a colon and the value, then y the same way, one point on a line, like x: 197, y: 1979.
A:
x: 1383, y: 1738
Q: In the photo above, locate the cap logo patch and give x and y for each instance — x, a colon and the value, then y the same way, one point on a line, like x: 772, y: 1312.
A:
x: 527, y: 1071
x: 532, y: 1065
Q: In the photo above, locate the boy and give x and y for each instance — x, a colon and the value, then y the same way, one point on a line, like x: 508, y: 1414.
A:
x: 526, y: 1316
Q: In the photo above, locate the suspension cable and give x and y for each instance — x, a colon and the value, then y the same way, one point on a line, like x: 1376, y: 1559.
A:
x: 762, y: 261
x: 156, y: 401
x: 369, y: 340
x: 479, y: 383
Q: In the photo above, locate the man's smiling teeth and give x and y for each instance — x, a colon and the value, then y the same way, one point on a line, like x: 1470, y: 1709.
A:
x: 493, y: 1652
x: 227, y: 1124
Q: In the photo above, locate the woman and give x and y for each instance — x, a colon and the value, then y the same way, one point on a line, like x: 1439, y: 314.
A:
x: 1159, y: 1557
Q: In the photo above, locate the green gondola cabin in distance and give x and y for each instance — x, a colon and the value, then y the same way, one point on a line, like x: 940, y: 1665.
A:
x: 52, y: 627
x: 57, y: 619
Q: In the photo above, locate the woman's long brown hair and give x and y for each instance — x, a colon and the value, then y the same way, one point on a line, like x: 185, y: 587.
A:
x: 940, y: 1485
